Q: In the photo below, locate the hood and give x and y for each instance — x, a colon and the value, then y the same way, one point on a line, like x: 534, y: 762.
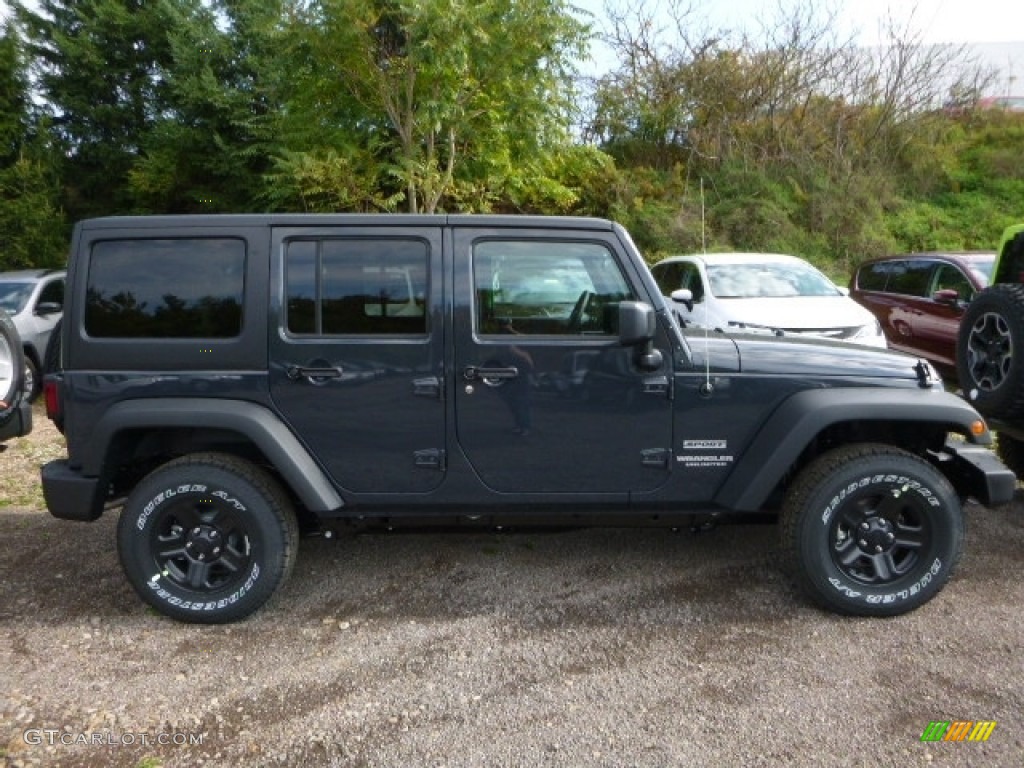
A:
x: 818, y: 358
x: 807, y: 313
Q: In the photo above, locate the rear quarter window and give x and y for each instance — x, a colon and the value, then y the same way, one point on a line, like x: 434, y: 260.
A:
x: 166, y: 288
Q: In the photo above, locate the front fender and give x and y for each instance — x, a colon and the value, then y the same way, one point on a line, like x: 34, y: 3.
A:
x: 795, y: 423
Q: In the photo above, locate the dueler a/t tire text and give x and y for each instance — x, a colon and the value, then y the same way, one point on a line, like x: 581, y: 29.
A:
x: 872, y: 530
x: 207, y: 538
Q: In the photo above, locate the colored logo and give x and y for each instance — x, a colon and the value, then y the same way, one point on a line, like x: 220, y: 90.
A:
x: 958, y: 730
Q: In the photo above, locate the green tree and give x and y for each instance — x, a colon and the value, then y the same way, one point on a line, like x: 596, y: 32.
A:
x: 100, y: 69
x: 463, y: 103
x: 14, y: 112
x: 31, y: 223
x: 211, y: 148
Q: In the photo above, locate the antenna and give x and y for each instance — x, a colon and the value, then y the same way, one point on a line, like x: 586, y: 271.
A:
x: 703, y: 238
x: 707, y: 389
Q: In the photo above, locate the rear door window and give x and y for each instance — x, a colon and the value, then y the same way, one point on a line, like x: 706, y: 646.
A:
x: 345, y: 287
x: 875, y: 277
x: 911, y: 277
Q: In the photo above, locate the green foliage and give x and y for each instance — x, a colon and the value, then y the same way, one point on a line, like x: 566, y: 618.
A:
x: 327, y: 181
x: 170, y: 106
x: 465, y: 100
x: 31, y: 222
x: 212, y: 146
x: 100, y: 66
x: 13, y: 93
x: 32, y: 229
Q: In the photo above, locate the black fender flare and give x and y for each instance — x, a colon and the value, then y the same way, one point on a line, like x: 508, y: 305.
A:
x: 796, y: 422
x: 256, y: 422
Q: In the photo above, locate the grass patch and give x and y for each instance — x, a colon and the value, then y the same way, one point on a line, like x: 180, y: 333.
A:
x: 22, y: 458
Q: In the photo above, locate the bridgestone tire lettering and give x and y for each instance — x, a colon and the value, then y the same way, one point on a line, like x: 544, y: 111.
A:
x: 871, y: 530
x: 207, y: 538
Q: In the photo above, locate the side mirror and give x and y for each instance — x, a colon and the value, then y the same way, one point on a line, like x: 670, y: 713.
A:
x: 637, y: 327
x: 684, y: 296
x: 637, y: 323
x: 48, y: 308
x: 948, y: 296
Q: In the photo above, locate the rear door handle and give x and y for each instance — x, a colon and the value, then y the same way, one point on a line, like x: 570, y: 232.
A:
x: 314, y: 374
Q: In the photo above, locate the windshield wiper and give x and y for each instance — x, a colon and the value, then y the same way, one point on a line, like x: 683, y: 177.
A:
x: 756, y: 327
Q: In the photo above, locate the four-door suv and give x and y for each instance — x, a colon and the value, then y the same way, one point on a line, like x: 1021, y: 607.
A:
x: 34, y: 298
x: 228, y: 380
x: 920, y: 299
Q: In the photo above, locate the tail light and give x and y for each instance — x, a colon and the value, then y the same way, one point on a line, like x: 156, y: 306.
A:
x: 54, y: 401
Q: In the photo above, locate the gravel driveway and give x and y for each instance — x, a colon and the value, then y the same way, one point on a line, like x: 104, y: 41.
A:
x: 582, y: 648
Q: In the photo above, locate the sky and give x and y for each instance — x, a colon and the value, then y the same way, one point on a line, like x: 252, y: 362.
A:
x: 993, y: 30
x: 938, y: 21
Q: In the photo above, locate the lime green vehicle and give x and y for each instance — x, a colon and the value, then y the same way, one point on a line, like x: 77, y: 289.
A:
x: 990, y: 349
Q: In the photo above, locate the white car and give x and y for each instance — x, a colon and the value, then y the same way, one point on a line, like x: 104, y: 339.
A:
x: 763, y: 291
x: 34, y: 298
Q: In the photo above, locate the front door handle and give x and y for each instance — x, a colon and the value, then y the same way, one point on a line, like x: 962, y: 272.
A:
x: 490, y: 376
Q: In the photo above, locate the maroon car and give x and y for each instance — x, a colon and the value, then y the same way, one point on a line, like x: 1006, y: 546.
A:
x: 919, y: 298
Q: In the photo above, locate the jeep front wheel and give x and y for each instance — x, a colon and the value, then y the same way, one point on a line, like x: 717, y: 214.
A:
x: 872, y: 530
x: 207, y: 538
x: 990, y: 351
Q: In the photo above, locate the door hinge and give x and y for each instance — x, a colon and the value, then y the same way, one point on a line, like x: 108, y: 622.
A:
x: 658, y: 385
x: 430, y: 458
x: 658, y: 458
x: 429, y: 387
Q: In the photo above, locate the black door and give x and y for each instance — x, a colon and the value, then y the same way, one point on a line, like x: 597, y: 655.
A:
x: 547, y: 400
x: 357, y: 352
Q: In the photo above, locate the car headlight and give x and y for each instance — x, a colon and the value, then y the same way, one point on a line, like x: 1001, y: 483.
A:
x: 871, y: 331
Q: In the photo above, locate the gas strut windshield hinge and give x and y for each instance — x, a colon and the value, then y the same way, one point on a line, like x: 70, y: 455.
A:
x: 924, y: 374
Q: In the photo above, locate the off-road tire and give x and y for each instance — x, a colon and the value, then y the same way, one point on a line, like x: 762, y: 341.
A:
x: 990, y: 351
x: 12, y: 369
x: 871, y: 530
x: 207, y: 538
x: 33, y: 380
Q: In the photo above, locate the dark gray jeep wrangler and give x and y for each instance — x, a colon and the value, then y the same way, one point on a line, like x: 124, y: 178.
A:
x: 230, y: 380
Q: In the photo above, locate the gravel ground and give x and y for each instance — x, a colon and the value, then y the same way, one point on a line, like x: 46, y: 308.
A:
x: 583, y: 648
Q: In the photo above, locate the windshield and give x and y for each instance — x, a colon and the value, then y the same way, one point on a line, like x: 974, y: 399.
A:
x: 768, y: 280
x: 13, y: 296
x: 981, y: 267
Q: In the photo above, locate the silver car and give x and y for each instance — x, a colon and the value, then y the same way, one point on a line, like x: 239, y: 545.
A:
x: 34, y: 298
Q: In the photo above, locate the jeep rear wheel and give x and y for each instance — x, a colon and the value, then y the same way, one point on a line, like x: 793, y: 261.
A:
x: 207, y: 538
x: 990, y: 351
x: 872, y: 530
